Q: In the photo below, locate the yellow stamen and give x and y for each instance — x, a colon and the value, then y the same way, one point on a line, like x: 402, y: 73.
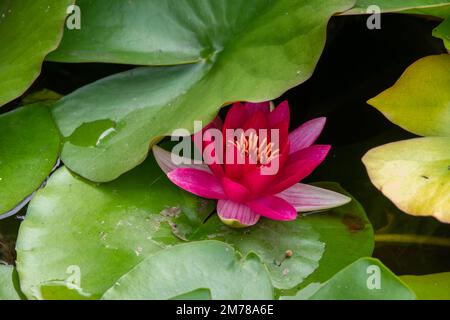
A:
x: 263, y: 153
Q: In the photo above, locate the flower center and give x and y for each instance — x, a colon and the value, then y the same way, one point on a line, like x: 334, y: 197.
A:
x: 258, y: 150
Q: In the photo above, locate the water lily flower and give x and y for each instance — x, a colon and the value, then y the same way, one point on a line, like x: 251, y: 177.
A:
x: 244, y: 192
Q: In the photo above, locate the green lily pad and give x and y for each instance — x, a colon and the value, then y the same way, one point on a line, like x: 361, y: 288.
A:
x: 431, y: 286
x: 365, y: 279
x: 9, y: 283
x: 420, y: 100
x: 57, y: 290
x: 414, y: 174
x: 29, y: 146
x: 438, y: 8
x: 229, y: 52
x: 28, y: 32
x: 199, y: 294
x: 190, y: 31
x: 196, y: 265
x: 443, y: 31
x: 321, y: 243
x: 89, y: 235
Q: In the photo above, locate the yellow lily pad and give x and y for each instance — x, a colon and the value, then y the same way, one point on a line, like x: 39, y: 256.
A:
x: 414, y: 174
x: 420, y: 100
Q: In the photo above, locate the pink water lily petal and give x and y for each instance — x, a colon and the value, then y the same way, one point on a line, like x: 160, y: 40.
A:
x: 198, y: 182
x: 216, y: 123
x: 283, y: 133
x: 252, y: 107
x: 234, y: 167
x: 280, y: 114
x: 198, y: 136
x: 230, y: 211
x: 168, y: 161
x: 234, y: 190
x: 257, y: 121
x: 274, y: 208
x: 257, y: 182
x: 299, y: 166
x: 203, y: 139
x: 212, y: 153
x: 235, y: 118
x: 306, y: 198
x: 305, y: 135
x: 214, y: 165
